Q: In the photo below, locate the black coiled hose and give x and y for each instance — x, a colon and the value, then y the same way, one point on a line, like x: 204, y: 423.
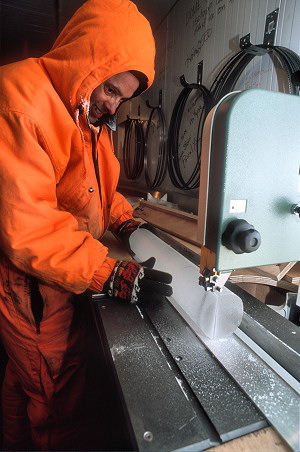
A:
x: 134, y: 148
x: 157, y: 149
x: 229, y: 75
x: 174, y: 159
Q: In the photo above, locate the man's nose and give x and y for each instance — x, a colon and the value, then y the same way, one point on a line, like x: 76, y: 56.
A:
x: 111, y: 106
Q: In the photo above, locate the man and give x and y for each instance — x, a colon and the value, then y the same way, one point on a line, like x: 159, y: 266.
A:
x: 58, y: 178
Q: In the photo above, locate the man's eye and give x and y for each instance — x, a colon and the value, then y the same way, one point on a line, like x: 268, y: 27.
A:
x: 109, y: 90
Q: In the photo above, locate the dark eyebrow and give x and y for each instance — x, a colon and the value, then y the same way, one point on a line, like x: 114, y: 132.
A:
x: 117, y: 90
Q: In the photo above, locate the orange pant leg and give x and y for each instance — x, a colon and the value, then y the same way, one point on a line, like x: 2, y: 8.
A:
x: 16, y: 426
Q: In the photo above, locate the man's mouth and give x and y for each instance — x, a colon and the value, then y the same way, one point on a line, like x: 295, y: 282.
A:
x: 97, y: 111
x: 94, y: 112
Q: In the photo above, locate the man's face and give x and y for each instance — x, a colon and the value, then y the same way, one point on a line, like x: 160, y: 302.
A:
x: 107, y: 97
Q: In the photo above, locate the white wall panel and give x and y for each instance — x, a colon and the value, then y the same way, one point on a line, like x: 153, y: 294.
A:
x: 293, y: 18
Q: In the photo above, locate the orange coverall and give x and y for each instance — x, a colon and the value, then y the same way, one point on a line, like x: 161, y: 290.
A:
x: 54, y: 212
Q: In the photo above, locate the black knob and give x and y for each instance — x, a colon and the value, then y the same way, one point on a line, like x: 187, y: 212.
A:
x: 241, y: 237
x: 296, y: 209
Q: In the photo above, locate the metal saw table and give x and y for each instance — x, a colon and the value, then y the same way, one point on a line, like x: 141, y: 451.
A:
x: 181, y: 391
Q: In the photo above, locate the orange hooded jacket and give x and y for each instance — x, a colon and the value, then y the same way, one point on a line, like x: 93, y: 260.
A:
x: 53, y: 213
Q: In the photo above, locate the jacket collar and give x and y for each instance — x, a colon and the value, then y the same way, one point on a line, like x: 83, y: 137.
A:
x: 108, y: 120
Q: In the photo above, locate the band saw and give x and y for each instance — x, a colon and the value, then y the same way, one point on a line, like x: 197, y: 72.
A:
x: 212, y: 363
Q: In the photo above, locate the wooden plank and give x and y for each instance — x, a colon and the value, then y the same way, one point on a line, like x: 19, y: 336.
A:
x: 293, y: 275
x: 264, y: 440
x: 173, y: 221
x: 250, y: 275
x: 276, y: 271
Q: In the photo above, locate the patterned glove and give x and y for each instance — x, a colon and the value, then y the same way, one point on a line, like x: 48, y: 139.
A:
x: 128, y: 227
x: 134, y: 282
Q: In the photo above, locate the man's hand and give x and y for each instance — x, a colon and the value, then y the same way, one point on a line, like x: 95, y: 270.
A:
x: 128, y: 227
x: 134, y: 282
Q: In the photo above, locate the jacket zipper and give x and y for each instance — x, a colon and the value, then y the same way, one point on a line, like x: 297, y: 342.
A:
x: 95, y: 161
x: 37, y: 304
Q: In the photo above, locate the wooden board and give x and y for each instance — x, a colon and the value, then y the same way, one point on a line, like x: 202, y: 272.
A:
x: 175, y: 222
x: 265, y: 440
x: 250, y: 275
x: 276, y: 271
x: 293, y: 275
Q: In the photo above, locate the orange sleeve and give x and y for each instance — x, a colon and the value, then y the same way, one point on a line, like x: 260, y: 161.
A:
x: 35, y: 235
x: 121, y: 210
x: 102, y: 275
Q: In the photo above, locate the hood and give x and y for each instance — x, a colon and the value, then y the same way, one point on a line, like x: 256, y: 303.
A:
x: 103, y: 38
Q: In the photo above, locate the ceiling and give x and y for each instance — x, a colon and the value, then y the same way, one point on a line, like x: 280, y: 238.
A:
x: 29, y: 27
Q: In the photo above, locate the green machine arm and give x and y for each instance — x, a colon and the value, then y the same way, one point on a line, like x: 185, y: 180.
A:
x: 249, y: 197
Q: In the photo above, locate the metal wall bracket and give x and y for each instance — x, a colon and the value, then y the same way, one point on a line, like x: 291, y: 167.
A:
x: 245, y: 42
x: 159, y: 101
x: 269, y: 36
x: 138, y: 118
x: 247, y: 46
x: 200, y: 72
x: 270, y: 28
x: 199, y: 77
